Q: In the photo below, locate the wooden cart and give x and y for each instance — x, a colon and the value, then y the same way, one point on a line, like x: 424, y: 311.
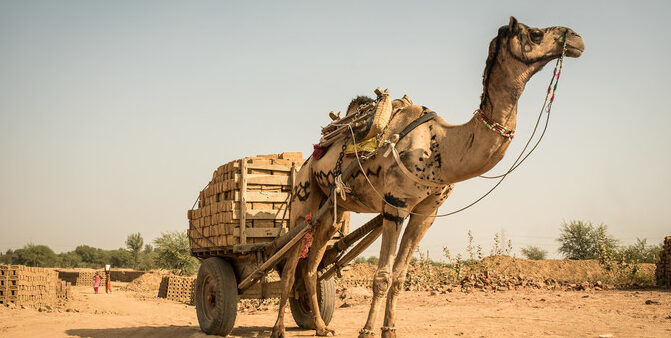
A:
x: 241, y: 231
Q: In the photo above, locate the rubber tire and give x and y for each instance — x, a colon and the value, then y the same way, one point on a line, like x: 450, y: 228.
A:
x: 217, y: 317
x: 326, y: 297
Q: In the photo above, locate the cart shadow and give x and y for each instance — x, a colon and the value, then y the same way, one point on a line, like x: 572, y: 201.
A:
x: 175, y: 331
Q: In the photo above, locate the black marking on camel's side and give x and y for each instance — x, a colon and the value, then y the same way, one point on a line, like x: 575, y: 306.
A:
x: 302, y: 191
x: 325, y: 179
x: 395, y: 201
x: 369, y: 173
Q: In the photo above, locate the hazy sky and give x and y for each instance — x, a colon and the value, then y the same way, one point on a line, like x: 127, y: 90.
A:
x: 113, y: 115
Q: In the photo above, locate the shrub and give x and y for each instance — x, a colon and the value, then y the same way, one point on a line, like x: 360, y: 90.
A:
x: 173, y: 252
x: 583, y: 240
x: 534, y: 253
x: 639, y: 252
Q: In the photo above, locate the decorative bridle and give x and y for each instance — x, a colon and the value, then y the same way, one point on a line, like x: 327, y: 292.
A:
x: 509, y: 133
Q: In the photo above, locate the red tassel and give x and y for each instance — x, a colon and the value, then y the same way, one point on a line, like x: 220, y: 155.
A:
x: 319, y: 151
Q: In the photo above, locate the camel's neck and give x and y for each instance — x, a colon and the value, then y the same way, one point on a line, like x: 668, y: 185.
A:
x: 478, y: 147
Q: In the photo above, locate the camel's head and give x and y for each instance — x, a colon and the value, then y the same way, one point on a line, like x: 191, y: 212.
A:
x: 525, y: 50
x: 537, y: 45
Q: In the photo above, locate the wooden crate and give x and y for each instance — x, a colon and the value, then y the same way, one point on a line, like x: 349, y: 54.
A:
x: 246, y: 202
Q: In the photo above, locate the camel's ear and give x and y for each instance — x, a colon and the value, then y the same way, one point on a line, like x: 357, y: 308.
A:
x: 512, y: 25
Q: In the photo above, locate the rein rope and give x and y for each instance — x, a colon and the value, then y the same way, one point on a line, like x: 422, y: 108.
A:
x: 504, y: 132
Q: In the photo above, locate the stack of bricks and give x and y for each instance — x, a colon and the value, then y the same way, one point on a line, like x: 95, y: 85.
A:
x: 178, y: 289
x: 30, y: 286
x: 663, y: 271
x: 246, y: 202
x: 80, y: 278
x: 85, y: 278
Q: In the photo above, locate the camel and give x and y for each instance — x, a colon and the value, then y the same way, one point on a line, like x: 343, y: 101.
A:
x: 438, y: 154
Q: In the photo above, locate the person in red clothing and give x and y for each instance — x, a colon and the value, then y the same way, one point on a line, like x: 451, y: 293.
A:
x: 108, y: 281
x: 96, y: 281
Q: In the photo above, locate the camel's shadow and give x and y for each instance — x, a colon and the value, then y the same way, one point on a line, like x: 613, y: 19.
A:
x: 177, y: 331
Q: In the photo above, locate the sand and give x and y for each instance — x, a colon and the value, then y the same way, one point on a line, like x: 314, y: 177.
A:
x: 621, y: 313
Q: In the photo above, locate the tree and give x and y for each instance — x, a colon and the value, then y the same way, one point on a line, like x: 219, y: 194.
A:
x: 92, y: 257
x: 134, y: 243
x: 8, y: 257
x: 534, y: 253
x: 35, y: 255
x: 583, y: 240
x: 70, y: 259
x: 148, y: 248
x: 173, y: 252
x: 120, y: 258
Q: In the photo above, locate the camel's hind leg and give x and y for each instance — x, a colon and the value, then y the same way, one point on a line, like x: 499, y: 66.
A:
x: 391, y: 227
x: 417, y: 227
x: 324, y: 230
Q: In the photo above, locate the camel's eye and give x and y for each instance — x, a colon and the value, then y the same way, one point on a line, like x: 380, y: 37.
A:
x: 536, y: 36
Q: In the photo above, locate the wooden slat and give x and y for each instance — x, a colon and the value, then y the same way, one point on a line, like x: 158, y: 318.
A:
x: 261, y: 196
x: 267, y: 180
x: 294, y: 173
x: 262, y: 214
x: 243, y: 201
x: 273, y: 167
x: 258, y: 232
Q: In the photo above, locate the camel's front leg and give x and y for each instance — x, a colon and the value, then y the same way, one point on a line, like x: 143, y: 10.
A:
x: 391, y: 227
x: 288, y: 275
x: 417, y: 227
x: 325, y: 229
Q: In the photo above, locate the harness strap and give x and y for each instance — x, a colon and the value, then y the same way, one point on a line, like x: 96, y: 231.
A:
x: 414, y: 124
x: 392, y: 148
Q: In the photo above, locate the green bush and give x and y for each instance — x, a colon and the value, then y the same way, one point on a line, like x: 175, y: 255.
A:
x: 173, y: 252
x: 639, y: 252
x: 583, y: 240
x: 534, y: 253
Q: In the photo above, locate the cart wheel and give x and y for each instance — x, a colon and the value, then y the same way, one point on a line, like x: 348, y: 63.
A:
x: 300, y: 308
x: 216, y: 296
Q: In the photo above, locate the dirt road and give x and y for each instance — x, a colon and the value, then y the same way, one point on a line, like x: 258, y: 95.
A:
x: 503, y: 314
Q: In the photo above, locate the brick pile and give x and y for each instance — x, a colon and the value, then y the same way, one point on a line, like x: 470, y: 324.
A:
x: 246, y: 202
x: 85, y: 278
x: 177, y: 289
x: 663, y: 270
x: 80, y: 278
x: 487, y: 281
x: 31, y: 286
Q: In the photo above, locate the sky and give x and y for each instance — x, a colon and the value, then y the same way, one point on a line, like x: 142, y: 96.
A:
x: 114, y: 114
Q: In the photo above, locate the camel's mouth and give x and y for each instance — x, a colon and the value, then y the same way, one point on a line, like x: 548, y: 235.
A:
x: 574, y: 52
x: 575, y: 46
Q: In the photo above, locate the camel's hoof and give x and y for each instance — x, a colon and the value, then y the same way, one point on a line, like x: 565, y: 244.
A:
x: 325, y: 332
x: 365, y: 333
x: 278, y: 332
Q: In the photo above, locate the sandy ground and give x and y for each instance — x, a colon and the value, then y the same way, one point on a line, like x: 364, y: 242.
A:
x: 504, y: 314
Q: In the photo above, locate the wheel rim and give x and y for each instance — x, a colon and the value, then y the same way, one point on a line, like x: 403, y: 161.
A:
x: 209, y: 297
